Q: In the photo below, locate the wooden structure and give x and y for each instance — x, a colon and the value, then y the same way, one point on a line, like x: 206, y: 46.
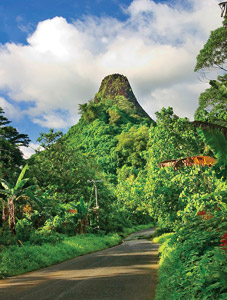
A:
x: 189, y: 161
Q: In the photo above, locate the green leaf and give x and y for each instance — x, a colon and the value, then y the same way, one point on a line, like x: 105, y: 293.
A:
x: 20, y: 184
x: 5, y: 192
x: 22, y: 174
x: 5, y: 184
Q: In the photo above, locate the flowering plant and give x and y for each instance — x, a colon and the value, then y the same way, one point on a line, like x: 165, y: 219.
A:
x: 224, y: 242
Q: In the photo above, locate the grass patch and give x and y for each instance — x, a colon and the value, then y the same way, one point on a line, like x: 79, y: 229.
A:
x: 127, y: 231
x: 16, y: 260
x: 163, y: 238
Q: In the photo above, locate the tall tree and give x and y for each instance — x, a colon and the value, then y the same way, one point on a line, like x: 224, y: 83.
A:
x: 60, y: 169
x: 173, y: 137
x: 214, y: 53
x: 49, y: 138
x: 10, y: 140
x: 213, y: 103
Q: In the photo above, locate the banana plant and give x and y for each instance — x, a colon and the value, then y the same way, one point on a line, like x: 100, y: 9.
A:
x: 83, y: 213
x: 216, y: 137
x: 13, y: 194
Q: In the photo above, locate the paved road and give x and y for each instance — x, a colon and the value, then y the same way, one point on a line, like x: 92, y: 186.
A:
x: 124, y: 272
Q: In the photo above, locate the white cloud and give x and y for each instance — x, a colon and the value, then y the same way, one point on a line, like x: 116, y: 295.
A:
x: 56, y: 120
x: 182, y: 97
x: 11, y: 111
x: 30, y: 150
x: 63, y: 64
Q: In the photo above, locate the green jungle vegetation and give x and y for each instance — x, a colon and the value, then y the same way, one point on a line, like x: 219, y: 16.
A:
x: 48, y: 201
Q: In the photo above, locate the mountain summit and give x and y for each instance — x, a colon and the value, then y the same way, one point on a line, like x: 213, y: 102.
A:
x: 115, y: 86
x: 111, y: 125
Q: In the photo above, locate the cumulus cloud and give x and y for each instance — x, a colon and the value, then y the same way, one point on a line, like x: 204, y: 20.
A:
x: 11, y: 111
x: 182, y: 97
x: 155, y: 47
x: 56, y: 120
x: 30, y: 150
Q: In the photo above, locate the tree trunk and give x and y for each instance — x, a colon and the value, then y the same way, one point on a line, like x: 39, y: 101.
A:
x: 11, y: 209
x: 4, y: 214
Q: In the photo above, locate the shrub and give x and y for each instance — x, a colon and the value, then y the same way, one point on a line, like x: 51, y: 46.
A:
x: 40, y: 237
x: 163, y: 238
x: 24, y: 228
x: 6, y: 237
x: 192, y: 264
x: 16, y: 260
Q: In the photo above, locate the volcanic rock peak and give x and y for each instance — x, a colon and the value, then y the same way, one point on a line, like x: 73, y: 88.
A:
x: 116, y: 85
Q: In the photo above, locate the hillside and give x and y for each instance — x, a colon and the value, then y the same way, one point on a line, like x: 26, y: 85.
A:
x: 113, y: 111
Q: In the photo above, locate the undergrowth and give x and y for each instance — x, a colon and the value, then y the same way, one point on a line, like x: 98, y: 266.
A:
x: 15, y: 259
x: 193, y: 261
x: 127, y: 231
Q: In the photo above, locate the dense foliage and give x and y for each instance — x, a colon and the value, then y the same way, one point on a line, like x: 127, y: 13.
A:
x: 118, y: 146
x: 193, y: 257
x: 213, y: 103
x: 214, y: 52
x: 192, y: 262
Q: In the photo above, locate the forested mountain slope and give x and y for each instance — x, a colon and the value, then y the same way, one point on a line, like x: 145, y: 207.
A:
x: 113, y: 111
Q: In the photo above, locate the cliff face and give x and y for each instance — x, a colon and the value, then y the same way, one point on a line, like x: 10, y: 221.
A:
x: 115, y: 85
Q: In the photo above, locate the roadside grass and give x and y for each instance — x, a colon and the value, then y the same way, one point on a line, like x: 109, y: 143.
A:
x: 127, y: 231
x: 192, y: 262
x: 15, y: 260
x: 161, y: 239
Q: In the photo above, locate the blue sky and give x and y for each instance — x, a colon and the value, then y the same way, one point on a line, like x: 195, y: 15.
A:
x: 19, y: 17
x: 54, y: 54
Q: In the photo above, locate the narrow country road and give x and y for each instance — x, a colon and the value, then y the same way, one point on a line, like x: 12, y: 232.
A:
x: 124, y: 272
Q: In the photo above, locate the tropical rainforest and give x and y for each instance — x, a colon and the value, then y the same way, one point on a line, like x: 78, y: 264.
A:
x: 117, y: 168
